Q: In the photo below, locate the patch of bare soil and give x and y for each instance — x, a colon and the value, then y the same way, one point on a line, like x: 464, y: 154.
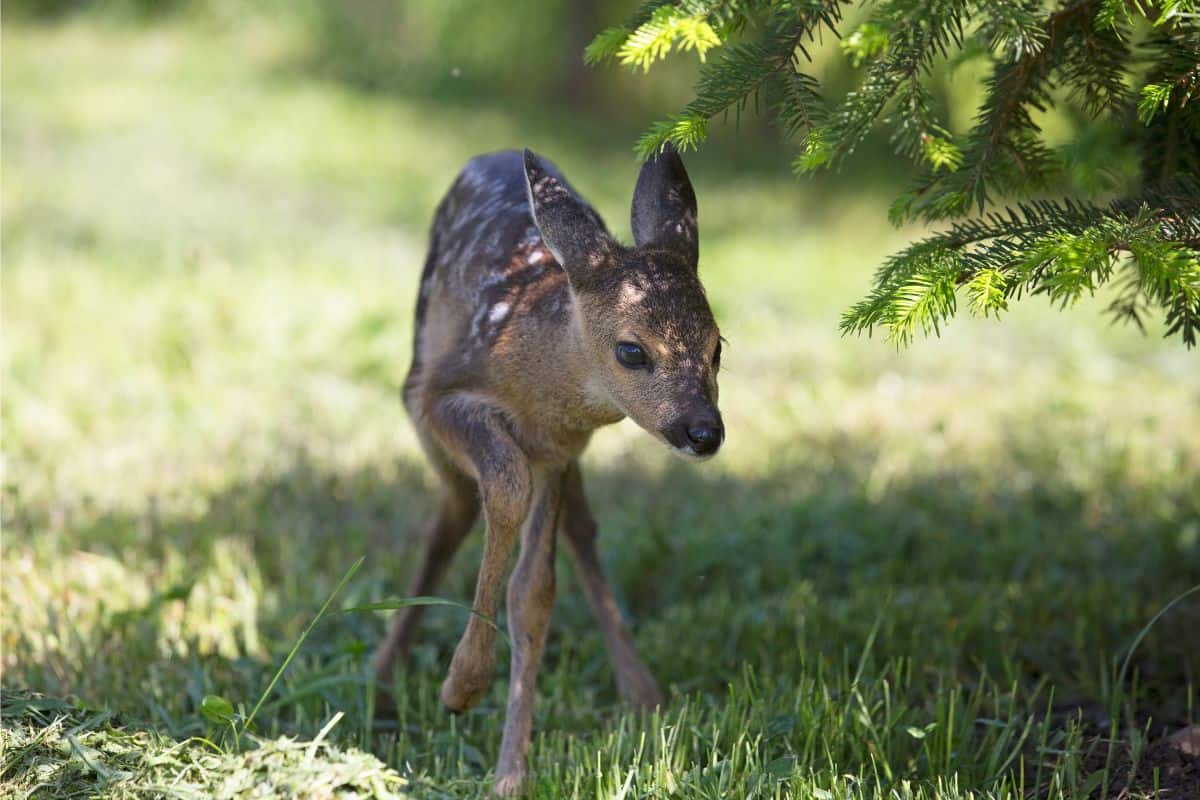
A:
x: 1169, y: 769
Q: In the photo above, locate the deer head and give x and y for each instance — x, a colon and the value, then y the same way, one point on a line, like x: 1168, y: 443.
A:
x: 650, y: 335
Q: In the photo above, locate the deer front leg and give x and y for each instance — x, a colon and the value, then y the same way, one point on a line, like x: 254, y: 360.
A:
x: 634, y: 682
x: 530, y: 601
x: 476, y: 435
x: 455, y: 516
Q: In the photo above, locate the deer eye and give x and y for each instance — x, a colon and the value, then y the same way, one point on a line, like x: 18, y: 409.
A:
x: 631, y: 355
x: 717, y: 357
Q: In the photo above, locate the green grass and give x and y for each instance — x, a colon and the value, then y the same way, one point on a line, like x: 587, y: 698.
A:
x: 908, y: 574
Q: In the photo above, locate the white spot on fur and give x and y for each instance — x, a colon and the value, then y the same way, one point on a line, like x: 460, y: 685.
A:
x: 498, y: 313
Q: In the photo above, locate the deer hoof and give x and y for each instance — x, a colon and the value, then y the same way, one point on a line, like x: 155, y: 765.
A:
x: 465, y: 687
x: 508, y: 785
x: 467, y: 680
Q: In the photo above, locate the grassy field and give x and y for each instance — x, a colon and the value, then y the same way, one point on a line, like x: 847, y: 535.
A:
x: 907, y: 575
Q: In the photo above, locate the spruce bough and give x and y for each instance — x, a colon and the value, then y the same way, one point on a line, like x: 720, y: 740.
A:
x: 1014, y: 225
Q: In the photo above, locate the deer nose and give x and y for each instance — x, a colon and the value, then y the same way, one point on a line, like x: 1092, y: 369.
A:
x: 705, y: 437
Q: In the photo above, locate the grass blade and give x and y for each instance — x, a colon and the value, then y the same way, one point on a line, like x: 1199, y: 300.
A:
x: 392, y: 605
x: 296, y: 647
x: 1146, y: 629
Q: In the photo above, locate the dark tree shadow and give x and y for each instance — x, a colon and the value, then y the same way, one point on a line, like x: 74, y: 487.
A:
x: 966, y: 571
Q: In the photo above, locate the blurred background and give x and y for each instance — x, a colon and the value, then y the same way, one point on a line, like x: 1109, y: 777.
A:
x: 214, y: 218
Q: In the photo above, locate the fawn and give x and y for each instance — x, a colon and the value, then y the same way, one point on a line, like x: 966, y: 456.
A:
x: 534, y: 327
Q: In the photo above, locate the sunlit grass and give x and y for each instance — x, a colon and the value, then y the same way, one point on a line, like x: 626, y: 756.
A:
x: 210, y: 262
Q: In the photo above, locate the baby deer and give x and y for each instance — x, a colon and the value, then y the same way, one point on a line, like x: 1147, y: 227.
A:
x: 535, y: 327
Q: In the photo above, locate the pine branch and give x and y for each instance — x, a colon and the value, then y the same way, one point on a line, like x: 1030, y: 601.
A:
x: 668, y: 27
x: 608, y: 42
x: 917, y: 32
x: 1004, y: 148
x: 741, y: 72
x: 1062, y: 249
x: 1170, y: 105
x: 799, y: 106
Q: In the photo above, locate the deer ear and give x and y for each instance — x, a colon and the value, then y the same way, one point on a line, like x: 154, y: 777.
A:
x: 572, y: 231
x: 664, y: 206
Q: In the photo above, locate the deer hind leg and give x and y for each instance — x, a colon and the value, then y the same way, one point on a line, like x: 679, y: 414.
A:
x: 634, y: 682
x: 457, y: 510
x: 476, y: 436
x: 530, y: 603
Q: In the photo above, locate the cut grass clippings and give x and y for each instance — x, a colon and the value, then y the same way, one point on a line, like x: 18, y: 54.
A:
x: 54, y: 749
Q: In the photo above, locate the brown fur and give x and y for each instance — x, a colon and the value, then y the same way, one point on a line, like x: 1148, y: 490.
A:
x: 524, y: 299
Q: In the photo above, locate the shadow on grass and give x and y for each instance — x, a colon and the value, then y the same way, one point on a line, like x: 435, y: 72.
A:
x: 951, y: 575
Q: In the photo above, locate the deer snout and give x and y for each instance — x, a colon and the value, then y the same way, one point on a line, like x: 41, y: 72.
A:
x: 700, y: 435
x: 705, y: 437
